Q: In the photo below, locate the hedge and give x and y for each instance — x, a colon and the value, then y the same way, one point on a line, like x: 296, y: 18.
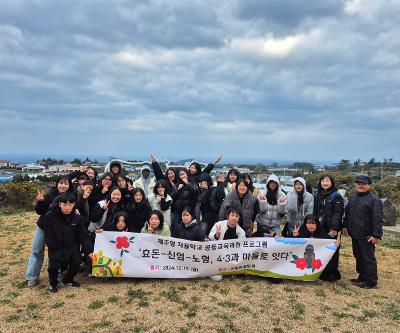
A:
x: 19, y: 195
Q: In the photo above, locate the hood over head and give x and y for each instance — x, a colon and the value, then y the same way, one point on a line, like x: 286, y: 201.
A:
x: 301, y: 180
x: 117, y: 164
x: 274, y: 178
x: 206, y: 177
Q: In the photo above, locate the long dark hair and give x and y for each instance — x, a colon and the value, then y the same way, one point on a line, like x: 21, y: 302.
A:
x: 303, y: 231
x: 160, y: 183
x: 272, y: 195
x: 234, y: 171
x: 118, y: 215
x: 112, y: 206
x: 300, y: 194
x: 138, y: 205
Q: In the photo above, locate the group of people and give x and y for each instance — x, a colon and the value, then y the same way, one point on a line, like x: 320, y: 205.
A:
x: 187, y: 204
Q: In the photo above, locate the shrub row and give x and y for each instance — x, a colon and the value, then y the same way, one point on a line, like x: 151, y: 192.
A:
x: 19, y: 195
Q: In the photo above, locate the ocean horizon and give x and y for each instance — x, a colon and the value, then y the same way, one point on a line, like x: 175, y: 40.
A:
x: 31, y: 158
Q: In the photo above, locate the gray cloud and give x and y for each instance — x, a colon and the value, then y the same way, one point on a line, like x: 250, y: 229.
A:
x: 260, y: 78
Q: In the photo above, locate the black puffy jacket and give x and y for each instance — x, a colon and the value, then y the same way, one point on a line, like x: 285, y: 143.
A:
x: 329, y: 209
x: 63, y: 234
x: 184, y: 197
x: 209, y: 200
x: 193, y: 232
x: 364, y: 216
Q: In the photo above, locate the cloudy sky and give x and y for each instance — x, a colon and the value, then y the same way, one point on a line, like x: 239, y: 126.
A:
x: 272, y: 79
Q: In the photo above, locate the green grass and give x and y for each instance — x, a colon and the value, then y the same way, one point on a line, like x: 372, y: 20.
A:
x: 172, y: 294
x: 393, y: 311
x: 140, y: 295
x: 96, y: 305
x: 12, y: 318
x: 31, y: 306
x: 298, y: 310
x: 320, y: 292
x: 391, y: 241
x: 102, y: 324
x: 192, y: 311
x: 58, y: 305
x: 19, y: 284
x: 113, y: 299
x: 3, y: 273
x: 13, y: 294
x: 247, y: 289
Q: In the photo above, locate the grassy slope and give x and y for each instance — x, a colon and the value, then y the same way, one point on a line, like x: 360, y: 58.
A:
x: 244, y: 304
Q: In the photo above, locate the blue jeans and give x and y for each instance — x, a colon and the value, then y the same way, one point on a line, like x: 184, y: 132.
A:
x: 35, y: 262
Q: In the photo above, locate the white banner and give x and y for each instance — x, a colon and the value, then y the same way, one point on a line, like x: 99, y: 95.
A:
x: 125, y: 254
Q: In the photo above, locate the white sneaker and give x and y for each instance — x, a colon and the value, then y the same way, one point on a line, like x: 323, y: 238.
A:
x: 32, y: 283
x: 216, y: 278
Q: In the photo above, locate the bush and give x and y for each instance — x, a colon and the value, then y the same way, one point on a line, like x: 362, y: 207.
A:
x: 19, y: 195
x: 389, y: 187
x: 341, y: 178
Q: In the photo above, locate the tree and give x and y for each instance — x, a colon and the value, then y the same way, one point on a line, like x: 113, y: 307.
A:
x: 304, y: 166
x: 27, y: 178
x: 18, y: 178
x: 373, y: 162
x: 343, y: 165
x: 387, y: 161
x: 76, y: 161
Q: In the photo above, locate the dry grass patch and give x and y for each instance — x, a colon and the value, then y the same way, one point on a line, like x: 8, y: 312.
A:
x: 240, y: 304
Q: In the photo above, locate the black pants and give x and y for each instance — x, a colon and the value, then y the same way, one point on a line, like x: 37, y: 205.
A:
x: 331, y: 272
x: 366, y: 266
x: 71, y: 264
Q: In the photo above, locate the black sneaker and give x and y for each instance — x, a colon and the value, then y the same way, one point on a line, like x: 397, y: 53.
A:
x: 358, y: 280
x: 53, y: 289
x: 72, y: 284
x: 365, y: 285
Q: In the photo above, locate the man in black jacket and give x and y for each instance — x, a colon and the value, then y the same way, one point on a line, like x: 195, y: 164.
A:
x: 363, y: 222
x: 64, y: 232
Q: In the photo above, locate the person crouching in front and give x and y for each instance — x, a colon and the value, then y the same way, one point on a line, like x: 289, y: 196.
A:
x: 227, y: 229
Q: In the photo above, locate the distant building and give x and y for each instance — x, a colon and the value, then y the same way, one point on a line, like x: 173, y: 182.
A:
x: 33, y: 168
x: 5, y: 164
x: 62, y: 168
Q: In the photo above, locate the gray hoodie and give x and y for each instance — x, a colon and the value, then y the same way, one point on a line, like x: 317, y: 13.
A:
x: 295, y: 214
x: 270, y: 215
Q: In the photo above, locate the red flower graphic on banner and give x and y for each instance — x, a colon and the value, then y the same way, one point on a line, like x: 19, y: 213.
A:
x: 316, y: 264
x: 301, y: 263
x: 122, y: 242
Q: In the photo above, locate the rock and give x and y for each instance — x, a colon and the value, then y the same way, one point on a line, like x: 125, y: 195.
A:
x: 389, y: 213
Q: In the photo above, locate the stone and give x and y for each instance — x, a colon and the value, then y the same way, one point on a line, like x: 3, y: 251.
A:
x: 389, y: 213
